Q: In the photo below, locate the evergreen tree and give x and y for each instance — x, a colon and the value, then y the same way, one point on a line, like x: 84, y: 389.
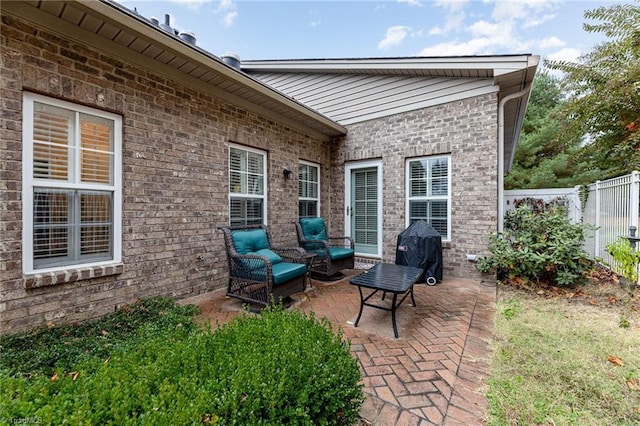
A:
x: 545, y: 157
x: 603, y: 107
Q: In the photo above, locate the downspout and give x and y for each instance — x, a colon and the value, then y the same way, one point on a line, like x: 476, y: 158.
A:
x: 501, y: 152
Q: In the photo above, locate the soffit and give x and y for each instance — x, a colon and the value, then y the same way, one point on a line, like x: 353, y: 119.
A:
x: 108, y: 26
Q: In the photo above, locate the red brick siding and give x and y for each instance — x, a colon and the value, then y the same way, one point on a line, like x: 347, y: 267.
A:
x: 175, y: 163
x: 467, y: 130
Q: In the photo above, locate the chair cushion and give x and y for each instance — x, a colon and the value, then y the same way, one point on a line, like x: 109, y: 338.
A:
x: 313, y: 228
x: 285, y: 271
x: 340, y: 253
x: 250, y: 241
x: 273, y: 257
x: 256, y: 264
x: 335, y: 253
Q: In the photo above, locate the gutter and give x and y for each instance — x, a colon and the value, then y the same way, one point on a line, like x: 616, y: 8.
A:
x: 501, y: 105
x: 212, y: 61
x: 121, y: 17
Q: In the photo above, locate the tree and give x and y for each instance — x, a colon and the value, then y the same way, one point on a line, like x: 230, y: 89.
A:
x: 545, y: 157
x: 603, y: 107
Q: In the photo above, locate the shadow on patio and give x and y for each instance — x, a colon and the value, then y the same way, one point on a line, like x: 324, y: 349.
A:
x: 433, y: 374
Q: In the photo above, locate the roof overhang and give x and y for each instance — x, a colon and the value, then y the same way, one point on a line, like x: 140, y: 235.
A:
x: 115, y: 30
x: 509, y: 73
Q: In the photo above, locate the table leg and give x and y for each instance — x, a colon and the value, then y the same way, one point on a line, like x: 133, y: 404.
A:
x: 393, y: 314
x: 355, y: 324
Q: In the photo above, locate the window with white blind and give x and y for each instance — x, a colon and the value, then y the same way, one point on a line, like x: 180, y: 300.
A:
x: 72, y: 185
x: 247, y: 186
x: 308, y: 189
x: 429, y: 192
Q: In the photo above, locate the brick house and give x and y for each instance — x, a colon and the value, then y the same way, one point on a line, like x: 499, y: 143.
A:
x: 125, y: 146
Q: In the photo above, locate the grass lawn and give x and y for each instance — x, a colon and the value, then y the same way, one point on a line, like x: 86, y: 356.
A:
x: 566, y: 357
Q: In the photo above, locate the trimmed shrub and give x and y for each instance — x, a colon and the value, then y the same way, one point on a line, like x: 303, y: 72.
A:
x: 539, y: 247
x: 284, y: 367
x: 281, y: 367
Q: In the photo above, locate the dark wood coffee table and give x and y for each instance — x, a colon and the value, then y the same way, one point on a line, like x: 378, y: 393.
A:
x: 387, y: 278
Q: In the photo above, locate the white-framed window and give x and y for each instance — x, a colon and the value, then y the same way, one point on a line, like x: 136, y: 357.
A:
x: 308, y: 189
x: 247, y: 186
x: 429, y: 192
x: 72, y: 185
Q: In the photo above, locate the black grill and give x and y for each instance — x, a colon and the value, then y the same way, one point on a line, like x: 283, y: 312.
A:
x: 420, y: 245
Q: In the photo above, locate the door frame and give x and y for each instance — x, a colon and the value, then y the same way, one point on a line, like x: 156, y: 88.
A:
x: 349, y: 168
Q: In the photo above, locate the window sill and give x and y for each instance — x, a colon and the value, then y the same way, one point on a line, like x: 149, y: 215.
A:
x: 70, y: 275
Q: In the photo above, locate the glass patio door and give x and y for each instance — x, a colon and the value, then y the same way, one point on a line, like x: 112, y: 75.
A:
x: 364, y: 207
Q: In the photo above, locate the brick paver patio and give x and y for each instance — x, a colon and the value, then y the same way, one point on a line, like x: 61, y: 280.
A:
x: 433, y: 374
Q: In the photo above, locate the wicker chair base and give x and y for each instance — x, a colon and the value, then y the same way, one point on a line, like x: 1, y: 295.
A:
x: 256, y: 294
x: 324, y: 271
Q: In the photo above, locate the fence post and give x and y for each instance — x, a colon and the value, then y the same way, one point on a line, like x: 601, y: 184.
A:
x: 577, y: 211
x: 596, y: 242
x: 635, y: 198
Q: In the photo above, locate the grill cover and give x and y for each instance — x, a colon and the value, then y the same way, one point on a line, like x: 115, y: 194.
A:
x: 420, y: 245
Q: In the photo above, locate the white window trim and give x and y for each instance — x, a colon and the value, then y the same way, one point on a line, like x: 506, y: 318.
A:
x: 309, y: 163
x: 266, y: 181
x: 441, y: 197
x: 28, y: 182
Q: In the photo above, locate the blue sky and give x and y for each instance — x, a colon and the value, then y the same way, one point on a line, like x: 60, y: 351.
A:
x: 395, y: 28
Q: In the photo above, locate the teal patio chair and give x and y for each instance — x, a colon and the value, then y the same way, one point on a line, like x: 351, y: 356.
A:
x: 333, y: 253
x: 260, y: 273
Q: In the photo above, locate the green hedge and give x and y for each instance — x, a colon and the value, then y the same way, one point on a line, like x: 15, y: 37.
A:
x: 280, y: 367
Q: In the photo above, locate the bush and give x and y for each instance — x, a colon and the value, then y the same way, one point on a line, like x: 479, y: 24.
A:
x: 539, y: 247
x: 62, y: 347
x: 285, y: 368
x: 625, y: 258
x: 281, y: 367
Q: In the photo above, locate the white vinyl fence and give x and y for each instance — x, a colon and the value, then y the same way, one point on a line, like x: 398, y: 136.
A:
x: 612, y: 207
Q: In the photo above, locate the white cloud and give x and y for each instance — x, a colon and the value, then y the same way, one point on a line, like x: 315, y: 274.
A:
x: 563, y: 55
x: 451, y: 5
x: 229, y: 18
x: 503, y: 31
x: 551, y: 42
x: 523, y: 10
x: 394, y: 37
x: 315, y: 19
x: 454, y: 22
x: 537, y: 21
x: 567, y: 54
x: 415, y: 3
x: 486, y: 29
x: 191, y: 4
x: 229, y: 11
x: 472, y: 47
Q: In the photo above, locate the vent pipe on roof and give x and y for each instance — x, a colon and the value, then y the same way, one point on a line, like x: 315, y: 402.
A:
x: 232, y: 60
x: 188, y: 36
x: 167, y: 24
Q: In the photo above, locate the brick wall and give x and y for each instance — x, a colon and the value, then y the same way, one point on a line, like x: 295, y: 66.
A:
x: 467, y: 130
x: 175, y: 164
